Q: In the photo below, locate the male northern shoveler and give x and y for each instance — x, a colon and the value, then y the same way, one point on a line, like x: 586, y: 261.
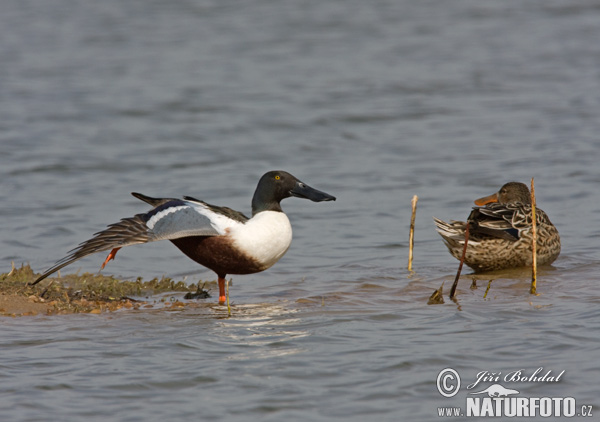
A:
x: 500, y: 232
x: 224, y: 240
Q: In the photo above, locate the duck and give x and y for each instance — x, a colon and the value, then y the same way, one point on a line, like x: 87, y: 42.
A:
x: 218, y: 238
x: 500, y: 232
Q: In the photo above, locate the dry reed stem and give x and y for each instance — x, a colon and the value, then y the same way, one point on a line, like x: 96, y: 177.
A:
x: 460, y: 265
x: 411, y: 238
x: 533, y: 290
x: 488, y: 288
x: 12, y: 270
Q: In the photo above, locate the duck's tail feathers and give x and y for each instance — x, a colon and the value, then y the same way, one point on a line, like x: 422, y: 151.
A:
x: 128, y: 231
x: 452, y: 230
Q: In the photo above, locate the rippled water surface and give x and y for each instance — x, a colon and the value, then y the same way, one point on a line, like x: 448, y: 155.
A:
x: 373, y: 102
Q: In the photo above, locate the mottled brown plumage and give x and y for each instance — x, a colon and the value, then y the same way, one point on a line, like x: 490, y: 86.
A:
x: 500, y: 232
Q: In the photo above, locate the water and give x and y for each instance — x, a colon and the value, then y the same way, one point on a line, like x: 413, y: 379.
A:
x: 372, y: 102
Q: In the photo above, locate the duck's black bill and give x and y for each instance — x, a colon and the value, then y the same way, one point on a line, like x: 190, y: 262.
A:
x: 302, y: 190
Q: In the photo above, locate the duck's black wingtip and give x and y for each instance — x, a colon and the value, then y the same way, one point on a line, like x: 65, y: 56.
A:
x: 40, y: 278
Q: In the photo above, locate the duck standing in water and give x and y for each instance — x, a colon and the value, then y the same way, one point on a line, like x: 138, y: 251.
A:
x: 500, y: 233
x: 224, y: 240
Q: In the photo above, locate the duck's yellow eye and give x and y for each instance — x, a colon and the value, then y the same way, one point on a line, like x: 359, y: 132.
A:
x: 277, y: 177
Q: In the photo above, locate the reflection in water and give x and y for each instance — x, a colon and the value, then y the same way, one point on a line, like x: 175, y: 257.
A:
x: 265, y: 330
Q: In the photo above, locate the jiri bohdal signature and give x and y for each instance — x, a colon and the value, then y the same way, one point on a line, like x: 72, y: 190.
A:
x: 516, y: 376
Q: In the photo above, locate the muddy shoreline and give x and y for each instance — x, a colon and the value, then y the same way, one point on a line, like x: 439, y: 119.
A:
x: 86, y: 293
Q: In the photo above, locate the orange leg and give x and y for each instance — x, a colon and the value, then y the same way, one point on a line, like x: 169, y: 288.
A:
x: 222, y: 296
x: 110, y: 256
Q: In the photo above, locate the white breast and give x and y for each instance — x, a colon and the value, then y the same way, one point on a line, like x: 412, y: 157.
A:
x: 266, y: 237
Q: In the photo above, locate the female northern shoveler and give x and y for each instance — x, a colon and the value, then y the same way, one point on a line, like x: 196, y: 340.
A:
x: 224, y: 240
x: 500, y: 232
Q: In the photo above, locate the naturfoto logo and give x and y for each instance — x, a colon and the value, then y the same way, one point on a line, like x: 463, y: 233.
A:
x: 497, y: 400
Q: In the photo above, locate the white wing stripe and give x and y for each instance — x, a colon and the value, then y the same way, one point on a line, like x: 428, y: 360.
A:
x: 190, y: 219
x: 156, y: 218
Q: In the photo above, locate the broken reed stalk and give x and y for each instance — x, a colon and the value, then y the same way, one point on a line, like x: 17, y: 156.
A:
x: 12, y: 270
x: 411, y: 238
x: 533, y: 290
x: 488, y: 288
x: 460, y: 265
x: 437, y: 297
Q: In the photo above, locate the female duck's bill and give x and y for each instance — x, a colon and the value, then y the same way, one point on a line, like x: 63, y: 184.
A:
x: 509, y: 193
